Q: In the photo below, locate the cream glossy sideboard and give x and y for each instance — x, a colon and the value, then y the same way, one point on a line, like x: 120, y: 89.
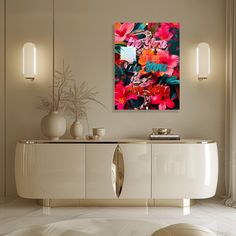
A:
x: 116, y: 169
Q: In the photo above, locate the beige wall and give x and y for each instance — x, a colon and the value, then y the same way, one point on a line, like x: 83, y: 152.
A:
x: 84, y: 39
x: 27, y: 20
x: 2, y: 175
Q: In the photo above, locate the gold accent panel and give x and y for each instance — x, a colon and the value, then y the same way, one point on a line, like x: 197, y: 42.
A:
x: 117, y: 171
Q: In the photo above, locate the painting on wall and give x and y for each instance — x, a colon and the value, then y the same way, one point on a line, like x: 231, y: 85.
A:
x: 147, y: 75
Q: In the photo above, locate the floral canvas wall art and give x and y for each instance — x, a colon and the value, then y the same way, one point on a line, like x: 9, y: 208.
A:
x: 147, y: 75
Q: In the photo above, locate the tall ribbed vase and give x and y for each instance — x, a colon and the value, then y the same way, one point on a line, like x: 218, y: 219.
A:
x: 53, y: 125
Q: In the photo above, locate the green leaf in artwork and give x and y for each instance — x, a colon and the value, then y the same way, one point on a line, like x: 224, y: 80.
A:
x: 169, y: 81
x: 126, y: 80
x: 117, y: 49
x: 118, y: 45
x: 173, y: 95
x: 136, y: 103
x: 174, y: 47
x: 172, y: 81
x: 118, y: 71
x: 162, y: 80
x: 139, y: 26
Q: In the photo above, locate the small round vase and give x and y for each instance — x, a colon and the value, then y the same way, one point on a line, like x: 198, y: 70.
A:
x: 76, y: 130
x: 53, y: 125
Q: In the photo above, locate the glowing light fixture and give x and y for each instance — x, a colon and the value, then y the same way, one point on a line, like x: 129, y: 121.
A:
x: 203, y: 60
x: 29, y: 60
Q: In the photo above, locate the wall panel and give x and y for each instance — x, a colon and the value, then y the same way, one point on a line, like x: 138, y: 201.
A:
x: 84, y: 39
x: 2, y: 114
x: 27, y: 21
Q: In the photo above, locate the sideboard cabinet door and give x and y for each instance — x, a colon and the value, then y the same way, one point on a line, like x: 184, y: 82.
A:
x: 98, y: 171
x: 184, y: 170
x: 135, y: 174
x: 137, y: 171
x: 50, y: 170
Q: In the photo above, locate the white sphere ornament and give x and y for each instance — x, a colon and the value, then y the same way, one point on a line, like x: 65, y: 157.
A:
x: 53, y: 125
x: 183, y: 230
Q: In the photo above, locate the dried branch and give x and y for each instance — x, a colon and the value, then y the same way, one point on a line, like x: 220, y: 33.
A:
x: 61, y: 85
x: 78, y: 97
x: 69, y: 96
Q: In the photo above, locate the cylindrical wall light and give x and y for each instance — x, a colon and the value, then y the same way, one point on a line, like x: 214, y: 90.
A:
x: 29, y: 60
x: 203, y: 60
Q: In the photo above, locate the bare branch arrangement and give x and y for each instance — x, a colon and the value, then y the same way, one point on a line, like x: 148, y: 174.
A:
x: 68, y: 96
x: 77, y: 99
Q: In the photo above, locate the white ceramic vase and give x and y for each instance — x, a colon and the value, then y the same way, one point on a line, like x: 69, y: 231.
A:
x: 53, y: 125
x: 76, y: 130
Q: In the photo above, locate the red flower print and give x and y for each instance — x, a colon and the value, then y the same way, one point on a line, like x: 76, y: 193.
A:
x: 123, y: 94
x: 174, y: 25
x: 146, y: 70
x: 164, y: 57
x: 117, y: 60
x: 161, y: 97
x: 122, y: 31
x: 163, y: 32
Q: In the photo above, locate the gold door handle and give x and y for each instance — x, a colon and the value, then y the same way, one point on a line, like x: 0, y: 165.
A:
x: 117, y: 171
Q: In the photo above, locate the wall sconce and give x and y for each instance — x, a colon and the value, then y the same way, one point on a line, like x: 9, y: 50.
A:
x: 203, y: 61
x: 29, y: 60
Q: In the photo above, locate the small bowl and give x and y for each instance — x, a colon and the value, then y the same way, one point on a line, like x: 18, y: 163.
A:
x: 100, y: 132
x: 161, y: 131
